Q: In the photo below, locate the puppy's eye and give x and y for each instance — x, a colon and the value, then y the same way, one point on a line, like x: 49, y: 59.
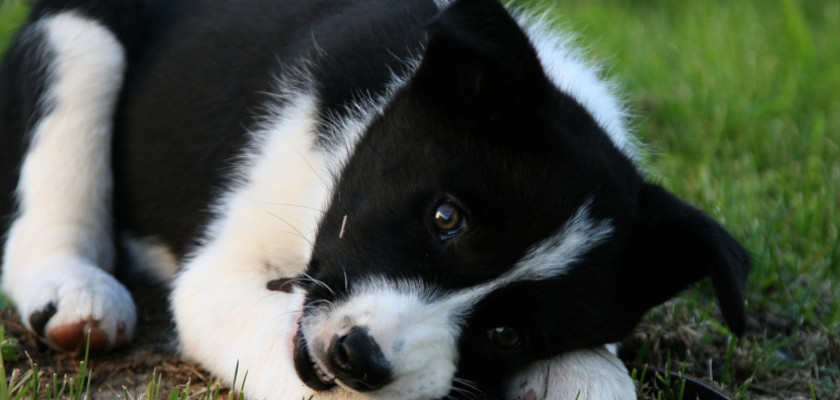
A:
x: 504, y: 337
x: 449, y: 220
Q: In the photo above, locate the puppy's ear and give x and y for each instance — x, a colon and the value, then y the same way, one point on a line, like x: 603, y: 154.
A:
x: 675, y: 244
x: 476, y: 56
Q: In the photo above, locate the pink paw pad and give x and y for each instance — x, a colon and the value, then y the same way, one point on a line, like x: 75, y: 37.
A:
x: 74, y: 337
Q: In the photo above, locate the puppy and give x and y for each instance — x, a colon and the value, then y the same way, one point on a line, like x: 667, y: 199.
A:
x: 371, y: 199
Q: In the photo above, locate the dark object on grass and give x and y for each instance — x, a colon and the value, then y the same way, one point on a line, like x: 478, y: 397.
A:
x: 695, y: 388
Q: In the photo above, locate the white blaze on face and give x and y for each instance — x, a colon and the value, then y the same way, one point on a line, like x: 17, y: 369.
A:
x: 417, y: 336
x: 551, y: 258
x: 417, y: 327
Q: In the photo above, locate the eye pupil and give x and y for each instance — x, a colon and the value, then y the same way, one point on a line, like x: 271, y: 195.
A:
x: 448, y: 220
x: 504, y: 337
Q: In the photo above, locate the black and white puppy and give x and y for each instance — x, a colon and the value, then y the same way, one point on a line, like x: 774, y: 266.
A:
x: 366, y: 199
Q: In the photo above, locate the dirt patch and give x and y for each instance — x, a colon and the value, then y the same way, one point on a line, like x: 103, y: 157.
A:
x: 126, y: 371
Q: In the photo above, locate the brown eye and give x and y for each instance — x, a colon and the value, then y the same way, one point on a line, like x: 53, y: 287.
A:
x: 449, y: 220
x: 504, y: 337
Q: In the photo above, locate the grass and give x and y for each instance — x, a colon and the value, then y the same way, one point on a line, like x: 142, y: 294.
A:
x: 12, y: 15
x: 32, y: 384
x: 739, y: 103
x: 29, y: 385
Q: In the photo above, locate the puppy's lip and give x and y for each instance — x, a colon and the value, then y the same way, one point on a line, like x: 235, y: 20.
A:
x: 307, y: 368
x: 292, y: 343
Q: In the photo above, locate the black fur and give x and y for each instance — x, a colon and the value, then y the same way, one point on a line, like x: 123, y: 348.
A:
x: 207, y: 106
x: 478, y: 124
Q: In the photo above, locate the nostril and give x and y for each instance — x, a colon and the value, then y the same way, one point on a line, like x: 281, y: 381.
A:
x: 358, y: 361
x: 341, y: 354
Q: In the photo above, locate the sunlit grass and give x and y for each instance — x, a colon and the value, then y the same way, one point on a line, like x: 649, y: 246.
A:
x: 739, y: 103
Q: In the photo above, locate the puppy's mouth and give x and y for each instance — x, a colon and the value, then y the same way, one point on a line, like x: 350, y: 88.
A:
x: 307, y: 369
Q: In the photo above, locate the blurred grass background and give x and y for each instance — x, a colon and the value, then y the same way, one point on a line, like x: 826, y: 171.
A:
x: 12, y: 15
x: 738, y: 103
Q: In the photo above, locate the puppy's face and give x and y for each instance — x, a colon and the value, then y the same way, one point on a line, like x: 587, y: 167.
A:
x: 485, y: 221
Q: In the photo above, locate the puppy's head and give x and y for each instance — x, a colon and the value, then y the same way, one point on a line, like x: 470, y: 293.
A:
x: 484, y: 221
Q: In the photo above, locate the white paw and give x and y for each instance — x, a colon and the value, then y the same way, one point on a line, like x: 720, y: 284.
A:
x: 589, y: 374
x: 65, y: 300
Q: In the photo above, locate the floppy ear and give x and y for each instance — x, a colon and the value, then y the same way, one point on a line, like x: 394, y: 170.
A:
x: 675, y: 244
x: 477, y: 57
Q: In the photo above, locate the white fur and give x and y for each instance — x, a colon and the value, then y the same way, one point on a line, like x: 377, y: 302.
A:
x: 345, y: 131
x: 572, y: 74
x: 595, y: 374
x: 224, y: 313
x: 567, y: 69
x: 548, y: 259
x: 263, y: 230
x: 59, y: 248
x: 417, y: 336
x: 553, y: 256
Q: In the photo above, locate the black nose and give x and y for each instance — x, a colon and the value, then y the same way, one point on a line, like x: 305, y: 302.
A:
x: 358, y: 362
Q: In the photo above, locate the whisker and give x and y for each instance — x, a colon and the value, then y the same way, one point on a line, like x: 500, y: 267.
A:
x: 457, y: 393
x: 315, y: 303
x: 297, y: 206
x: 291, y: 312
x: 315, y: 171
x: 319, y: 283
x: 294, y: 280
x: 466, y: 387
x: 346, y: 283
x: 314, y: 306
x: 299, y: 233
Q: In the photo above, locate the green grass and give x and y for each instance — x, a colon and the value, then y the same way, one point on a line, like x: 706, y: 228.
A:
x: 32, y: 384
x: 739, y: 104
x: 12, y: 14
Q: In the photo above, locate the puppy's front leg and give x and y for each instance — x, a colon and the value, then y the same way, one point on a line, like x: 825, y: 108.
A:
x: 224, y: 311
x: 226, y: 316
x: 588, y: 374
x: 58, y: 256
